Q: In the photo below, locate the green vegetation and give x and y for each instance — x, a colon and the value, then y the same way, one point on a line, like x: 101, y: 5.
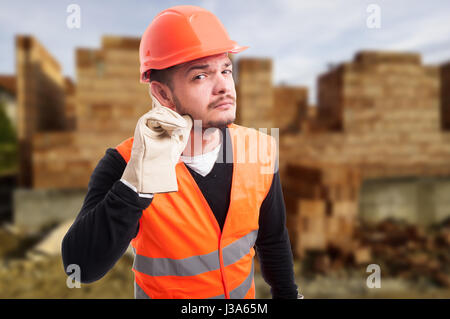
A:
x: 8, y: 144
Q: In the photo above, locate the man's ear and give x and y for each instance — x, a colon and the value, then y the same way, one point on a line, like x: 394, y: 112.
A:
x: 162, y: 93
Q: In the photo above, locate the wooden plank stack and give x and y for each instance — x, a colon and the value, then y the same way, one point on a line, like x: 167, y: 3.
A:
x: 40, y: 98
x: 290, y: 107
x: 321, y: 205
x: 255, y: 100
x: 102, y: 110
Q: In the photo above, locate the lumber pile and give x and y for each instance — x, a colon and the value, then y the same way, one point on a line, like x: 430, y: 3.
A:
x: 321, y: 205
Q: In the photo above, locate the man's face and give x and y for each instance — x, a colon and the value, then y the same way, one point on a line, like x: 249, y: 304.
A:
x: 201, y: 85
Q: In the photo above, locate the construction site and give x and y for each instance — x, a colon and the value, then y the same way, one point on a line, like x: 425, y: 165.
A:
x: 365, y: 172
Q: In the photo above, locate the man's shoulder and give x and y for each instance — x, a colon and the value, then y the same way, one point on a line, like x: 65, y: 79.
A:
x: 119, y: 154
x: 244, y: 130
x: 124, y: 148
x: 111, y: 165
x: 112, y: 155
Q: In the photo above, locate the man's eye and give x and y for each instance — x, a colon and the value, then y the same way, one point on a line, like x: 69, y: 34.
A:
x: 197, y: 77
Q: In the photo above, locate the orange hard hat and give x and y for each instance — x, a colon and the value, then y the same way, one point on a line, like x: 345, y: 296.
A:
x: 180, y: 34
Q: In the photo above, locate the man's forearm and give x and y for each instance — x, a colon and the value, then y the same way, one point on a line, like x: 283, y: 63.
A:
x: 273, y: 246
x: 277, y: 268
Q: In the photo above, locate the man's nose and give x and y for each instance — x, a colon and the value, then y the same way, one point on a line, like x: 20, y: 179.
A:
x: 224, y: 84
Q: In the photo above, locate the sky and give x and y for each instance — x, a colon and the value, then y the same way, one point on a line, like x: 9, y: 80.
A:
x: 301, y: 37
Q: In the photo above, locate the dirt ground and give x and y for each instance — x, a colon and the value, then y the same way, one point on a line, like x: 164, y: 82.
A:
x: 41, y: 276
x: 45, y: 279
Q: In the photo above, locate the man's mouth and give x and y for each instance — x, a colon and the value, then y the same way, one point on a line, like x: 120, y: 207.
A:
x: 224, y: 105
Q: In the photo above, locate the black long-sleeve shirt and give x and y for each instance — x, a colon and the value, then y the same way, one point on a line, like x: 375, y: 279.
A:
x: 109, y: 220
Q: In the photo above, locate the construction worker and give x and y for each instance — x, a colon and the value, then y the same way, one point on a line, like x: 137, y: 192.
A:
x: 179, y: 191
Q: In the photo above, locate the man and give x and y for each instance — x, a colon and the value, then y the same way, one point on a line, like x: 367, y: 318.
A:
x: 179, y: 190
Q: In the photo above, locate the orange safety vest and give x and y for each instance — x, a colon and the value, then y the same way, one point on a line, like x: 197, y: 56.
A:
x: 180, y: 251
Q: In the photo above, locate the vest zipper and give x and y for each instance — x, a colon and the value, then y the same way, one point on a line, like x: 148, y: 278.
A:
x: 216, y: 224
x: 222, y: 269
x: 211, y: 214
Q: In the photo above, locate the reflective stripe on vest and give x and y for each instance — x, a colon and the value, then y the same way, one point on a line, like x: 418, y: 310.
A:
x: 240, y: 291
x: 195, y: 265
x: 237, y: 293
x: 139, y: 293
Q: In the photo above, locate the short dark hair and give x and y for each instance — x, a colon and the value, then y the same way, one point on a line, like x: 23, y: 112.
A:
x: 164, y: 76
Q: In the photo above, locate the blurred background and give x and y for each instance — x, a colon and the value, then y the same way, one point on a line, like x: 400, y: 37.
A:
x: 360, y: 93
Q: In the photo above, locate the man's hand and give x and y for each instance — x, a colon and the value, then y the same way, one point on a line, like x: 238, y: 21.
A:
x: 159, y: 139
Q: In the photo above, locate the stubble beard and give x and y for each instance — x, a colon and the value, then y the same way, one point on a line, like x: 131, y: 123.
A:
x: 205, y: 125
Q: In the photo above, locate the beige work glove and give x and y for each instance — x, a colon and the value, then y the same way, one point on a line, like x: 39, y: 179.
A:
x: 159, y: 139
